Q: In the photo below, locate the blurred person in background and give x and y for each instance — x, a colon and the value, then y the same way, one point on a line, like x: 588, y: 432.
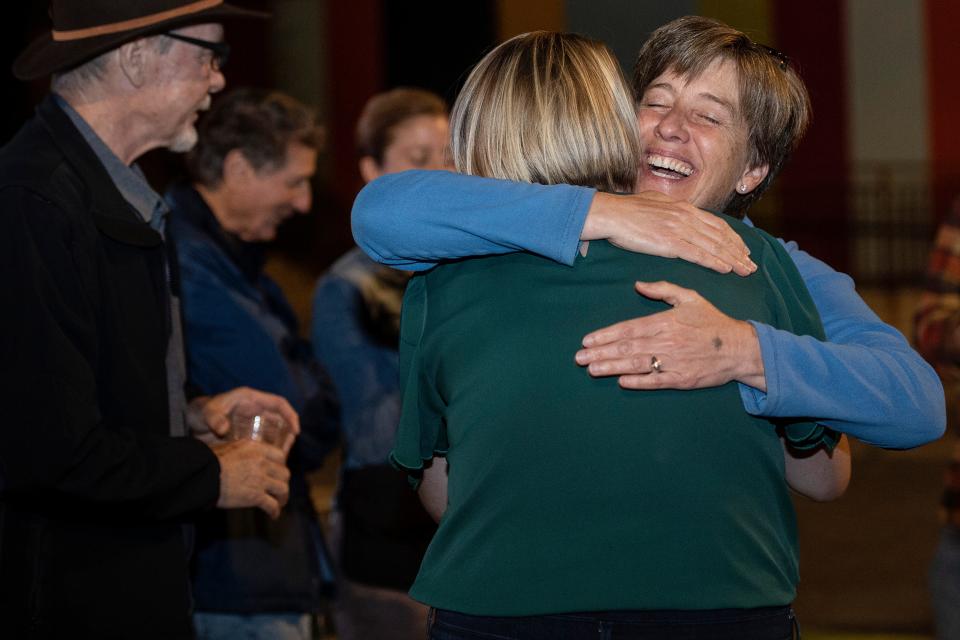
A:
x: 577, y: 509
x: 381, y: 530
x: 99, y: 485
x: 937, y: 335
x: 250, y: 171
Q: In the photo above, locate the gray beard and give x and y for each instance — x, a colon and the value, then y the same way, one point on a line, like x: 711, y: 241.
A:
x: 185, y: 140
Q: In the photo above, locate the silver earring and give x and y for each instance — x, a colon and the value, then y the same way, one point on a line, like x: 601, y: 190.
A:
x: 742, y: 188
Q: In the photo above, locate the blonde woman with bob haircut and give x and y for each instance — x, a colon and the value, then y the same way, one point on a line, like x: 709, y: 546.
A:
x: 550, y: 109
x: 570, y: 505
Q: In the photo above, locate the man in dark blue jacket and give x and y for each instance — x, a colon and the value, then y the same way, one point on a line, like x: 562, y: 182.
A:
x: 251, y: 170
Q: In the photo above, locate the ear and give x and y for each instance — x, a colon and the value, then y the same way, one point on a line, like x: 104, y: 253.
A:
x: 236, y: 168
x: 132, y: 58
x: 369, y: 169
x: 751, y: 178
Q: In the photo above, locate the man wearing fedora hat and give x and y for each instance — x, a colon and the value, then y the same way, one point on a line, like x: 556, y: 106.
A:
x: 97, y: 486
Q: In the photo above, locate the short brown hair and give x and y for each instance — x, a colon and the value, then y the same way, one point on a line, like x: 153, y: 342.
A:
x: 774, y: 102
x: 385, y: 111
x: 258, y: 122
x: 550, y: 108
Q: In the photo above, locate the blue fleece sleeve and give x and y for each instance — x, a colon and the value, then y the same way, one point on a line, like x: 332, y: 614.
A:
x: 414, y: 219
x: 866, y: 381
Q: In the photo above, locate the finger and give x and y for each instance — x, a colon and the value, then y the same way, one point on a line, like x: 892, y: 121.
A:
x: 716, y: 256
x: 662, y: 380
x: 279, y: 493
x: 269, y: 505
x: 670, y: 293
x: 714, y: 225
x: 716, y: 240
x: 284, y: 408
x: 742, y: 264
x: 276, y: 472
x: 287, y: 443
x: 640, y: 364
x: 625, y: 330
x: 217, y: 422
x: 278, y: 489
x: 272, y: 455
x: 718, y: 228
x: 615, y: 351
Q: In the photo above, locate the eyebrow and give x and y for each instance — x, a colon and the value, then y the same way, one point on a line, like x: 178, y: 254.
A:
x: 706, y: 95
x: 660, y: 85
x: 723, y: 103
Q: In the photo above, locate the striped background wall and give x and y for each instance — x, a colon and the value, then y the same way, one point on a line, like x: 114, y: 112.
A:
x: 942, y: 48
x: 875, y: 172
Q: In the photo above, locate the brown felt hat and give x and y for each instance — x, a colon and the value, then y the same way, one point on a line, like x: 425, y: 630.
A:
x: 83, y: 29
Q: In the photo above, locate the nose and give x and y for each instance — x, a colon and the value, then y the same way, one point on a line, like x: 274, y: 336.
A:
x: 217, y: 80
x: 672, y: 126
x: 303, y: 199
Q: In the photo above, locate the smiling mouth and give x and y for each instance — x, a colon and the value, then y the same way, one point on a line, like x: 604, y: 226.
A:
x: 671, y: 168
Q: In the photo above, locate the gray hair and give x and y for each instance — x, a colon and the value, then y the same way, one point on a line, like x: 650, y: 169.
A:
x: 81, y: 78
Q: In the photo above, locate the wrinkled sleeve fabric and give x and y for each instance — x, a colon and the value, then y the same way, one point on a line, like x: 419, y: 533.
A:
x: 415, y: 219
x: 422, y: 432
x: 793, y: 311
x: 54, y: 445
x: 866, y: 381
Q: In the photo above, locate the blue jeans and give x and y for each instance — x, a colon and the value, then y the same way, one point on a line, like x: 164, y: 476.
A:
x: 768, y: 623
x: 945, y: 584
x: 261, y: 626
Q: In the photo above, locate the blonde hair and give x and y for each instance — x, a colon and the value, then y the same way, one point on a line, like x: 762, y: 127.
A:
x: 549, y: 108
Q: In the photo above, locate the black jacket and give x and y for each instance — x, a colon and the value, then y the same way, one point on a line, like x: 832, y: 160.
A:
x: 93, y: 491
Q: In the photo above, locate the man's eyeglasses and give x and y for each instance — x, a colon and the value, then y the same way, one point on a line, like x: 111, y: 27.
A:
x: 782, y: 58
x: 220, y: 50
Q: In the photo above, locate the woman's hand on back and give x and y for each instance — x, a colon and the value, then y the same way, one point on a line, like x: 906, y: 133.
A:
x: 691, y: 346
x: 652, y: 223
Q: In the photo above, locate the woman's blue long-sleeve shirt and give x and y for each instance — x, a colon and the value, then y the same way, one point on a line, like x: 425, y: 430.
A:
x: 866, y: 381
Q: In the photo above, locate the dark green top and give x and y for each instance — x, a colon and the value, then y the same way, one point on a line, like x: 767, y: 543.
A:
x: 567, y: 493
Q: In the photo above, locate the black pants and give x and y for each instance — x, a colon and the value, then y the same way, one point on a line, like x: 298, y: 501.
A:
x: 768, y: 623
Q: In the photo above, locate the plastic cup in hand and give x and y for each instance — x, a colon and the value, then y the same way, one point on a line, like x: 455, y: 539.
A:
x: 249, y: 422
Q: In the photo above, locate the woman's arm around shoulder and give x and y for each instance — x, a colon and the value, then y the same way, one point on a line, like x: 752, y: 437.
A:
x: 415, y: 219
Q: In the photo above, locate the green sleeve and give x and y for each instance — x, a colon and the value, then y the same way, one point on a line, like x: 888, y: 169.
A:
x: 421, y: 433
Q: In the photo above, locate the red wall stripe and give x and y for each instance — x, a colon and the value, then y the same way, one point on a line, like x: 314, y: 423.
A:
x: 355, y: 70
x: 943, y: 92
x: 814, y: 183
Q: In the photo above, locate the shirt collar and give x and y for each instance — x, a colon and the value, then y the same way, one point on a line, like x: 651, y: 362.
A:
x: 129, y: 180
